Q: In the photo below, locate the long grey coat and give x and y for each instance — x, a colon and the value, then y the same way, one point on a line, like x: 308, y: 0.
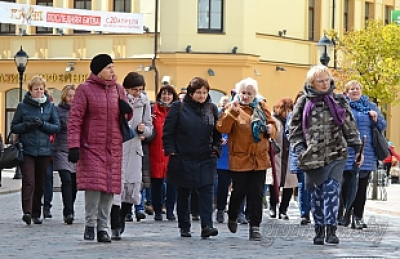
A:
x: 60, y: 145
x: 132, y: 150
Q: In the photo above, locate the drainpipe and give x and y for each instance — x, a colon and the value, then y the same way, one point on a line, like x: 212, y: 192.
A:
x: 334, y: 40
x: 153, y: 61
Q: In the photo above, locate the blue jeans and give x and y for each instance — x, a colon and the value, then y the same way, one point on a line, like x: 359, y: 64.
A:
x: 146, y: 196
x: 48, y: 187
x: 304, y: 196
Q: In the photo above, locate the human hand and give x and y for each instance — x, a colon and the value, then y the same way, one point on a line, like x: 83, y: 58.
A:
x: 269, y: 129
x: 235, y: 105
x: 224, y: 141
x: 33, y: 123
x: 73, y: 155
x: 374, y: 115
x: 360, y: 160
x: 141, y: 127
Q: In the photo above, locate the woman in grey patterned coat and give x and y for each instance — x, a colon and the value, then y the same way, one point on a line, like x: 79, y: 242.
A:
x: 320, y: 130
x: 66, y: 169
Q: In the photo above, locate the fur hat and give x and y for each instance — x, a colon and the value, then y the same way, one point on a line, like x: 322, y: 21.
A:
x: 99, y: 62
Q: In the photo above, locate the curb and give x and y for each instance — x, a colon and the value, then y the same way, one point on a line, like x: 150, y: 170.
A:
x: 8, y: 191
x: 381, y: 211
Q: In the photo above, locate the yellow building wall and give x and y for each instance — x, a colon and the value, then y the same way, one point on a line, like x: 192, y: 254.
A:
x: 251, y: 25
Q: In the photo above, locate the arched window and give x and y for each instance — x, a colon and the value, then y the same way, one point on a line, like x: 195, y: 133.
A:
x: 12, y: 100
x: 216, y: 95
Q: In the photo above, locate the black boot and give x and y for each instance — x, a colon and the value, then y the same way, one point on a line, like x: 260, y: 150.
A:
x: 89, y: 233
x: 185, y: 232
x: 319, y: 235
x: 116, y: 234
x: 103, y: 237
x: 232, y: 225
x: 208, y: 232
x: 346, y: 219
x: 254, y: 234
x: 331, y: 238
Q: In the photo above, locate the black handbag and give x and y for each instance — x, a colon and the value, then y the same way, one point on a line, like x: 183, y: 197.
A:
x: 381, y: 146
x: 12, y: 155
x: 126, y: 131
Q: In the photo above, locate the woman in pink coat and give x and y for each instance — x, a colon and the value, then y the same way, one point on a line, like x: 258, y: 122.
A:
x: 95, y: 139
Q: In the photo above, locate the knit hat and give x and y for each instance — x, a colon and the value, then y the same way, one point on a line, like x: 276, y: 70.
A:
x: 99, y: 62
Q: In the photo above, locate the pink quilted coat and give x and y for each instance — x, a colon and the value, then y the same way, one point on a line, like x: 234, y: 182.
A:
x: 93, y: 127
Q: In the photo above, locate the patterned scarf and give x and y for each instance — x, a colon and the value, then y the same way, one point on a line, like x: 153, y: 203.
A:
x: 338, y: 113
x: 361, y: 105
x: 163, y: 104
x: 258, y: 121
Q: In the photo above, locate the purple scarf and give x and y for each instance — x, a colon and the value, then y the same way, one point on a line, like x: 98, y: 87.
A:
x: 338, y: 113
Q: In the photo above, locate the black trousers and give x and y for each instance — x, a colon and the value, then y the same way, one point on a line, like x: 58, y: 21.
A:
x: 118, y: 214
x: 250, y: 184
x: 205, y: 206
x: 157, y: 195
x: 68, y: 191
x: 194, y: 203
x: 361, y: 196
x: 285, y: 199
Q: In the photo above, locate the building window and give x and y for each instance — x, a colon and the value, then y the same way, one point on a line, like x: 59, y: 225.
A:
x: 123, y: 6
x: 311, y: 19
x: 12, y: 100
x: 346, y: 15
x: 367, y: 12
x: 44, y: 29
x: 6, y: 28
x: 210, y: 14
x: 388, y: 14
x: 82, y: 4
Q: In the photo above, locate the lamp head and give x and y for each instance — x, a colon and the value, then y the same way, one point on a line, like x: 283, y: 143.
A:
x: 21, y: 60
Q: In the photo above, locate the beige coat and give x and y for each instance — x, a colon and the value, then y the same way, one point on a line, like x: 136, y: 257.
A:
x: 291, y: 179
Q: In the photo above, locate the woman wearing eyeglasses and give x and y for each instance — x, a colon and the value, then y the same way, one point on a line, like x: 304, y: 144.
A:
x: 320, y: 130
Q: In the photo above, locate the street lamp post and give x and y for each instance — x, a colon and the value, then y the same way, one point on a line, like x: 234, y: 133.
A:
x: 21, y: 60
x: 324, y: 46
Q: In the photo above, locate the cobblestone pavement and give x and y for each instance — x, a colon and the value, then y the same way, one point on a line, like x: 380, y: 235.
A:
x: 148, y: 239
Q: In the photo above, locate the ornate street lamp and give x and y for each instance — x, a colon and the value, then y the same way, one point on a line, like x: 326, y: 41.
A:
x: 21, y: 60
x: 324, y: 46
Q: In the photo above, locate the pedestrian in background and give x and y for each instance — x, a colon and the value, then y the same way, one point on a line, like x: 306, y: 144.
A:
x: 66, y: 169
x: 193, y: 145
x: 304, y: 193
x: 34, y: 121
x: 286, y: 180
x: 320, y: 130
x: 249, y: 124
x: 158, y: 159
x: 95, y: 143
x: 367, y: 116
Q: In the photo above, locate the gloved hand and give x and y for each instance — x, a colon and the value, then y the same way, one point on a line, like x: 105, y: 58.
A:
x: 34, y: 123
x: 124, y: 107
x: 73, y: 155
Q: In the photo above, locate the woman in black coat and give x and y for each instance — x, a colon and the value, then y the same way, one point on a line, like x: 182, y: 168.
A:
x: 34, y: 121
x: 193, y: 144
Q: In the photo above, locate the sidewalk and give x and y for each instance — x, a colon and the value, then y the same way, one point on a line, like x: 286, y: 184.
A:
x: 8, y: 184
x: 388, y: 207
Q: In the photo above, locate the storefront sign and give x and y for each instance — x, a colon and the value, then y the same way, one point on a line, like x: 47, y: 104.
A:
x: 78, y: 19
x: 50, y: 78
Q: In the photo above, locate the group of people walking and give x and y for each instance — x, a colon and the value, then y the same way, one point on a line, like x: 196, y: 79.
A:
x: 178, y: 146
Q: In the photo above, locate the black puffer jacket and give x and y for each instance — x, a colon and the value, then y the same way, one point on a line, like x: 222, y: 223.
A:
x: 189, y: 131
x: 36, y: 142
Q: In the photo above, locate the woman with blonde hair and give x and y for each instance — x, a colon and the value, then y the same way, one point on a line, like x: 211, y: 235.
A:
x: 34, y: 121
x: 249, y: 124
x: 367, y: 116
x: 66, y: 169
x: 320, y: 130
